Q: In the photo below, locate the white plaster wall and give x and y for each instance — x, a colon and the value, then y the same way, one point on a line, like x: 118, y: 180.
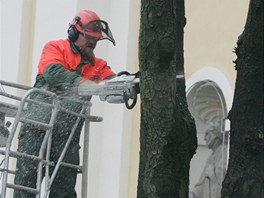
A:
x: 211, y: 33
x: 10, y: 39
x: 1, y: 39
x: 51, y: 23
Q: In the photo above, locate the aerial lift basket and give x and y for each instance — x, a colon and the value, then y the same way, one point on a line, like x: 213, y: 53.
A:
x: 14, y: 109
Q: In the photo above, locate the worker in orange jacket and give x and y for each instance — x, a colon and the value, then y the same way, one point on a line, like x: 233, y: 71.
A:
x: 63, y: 64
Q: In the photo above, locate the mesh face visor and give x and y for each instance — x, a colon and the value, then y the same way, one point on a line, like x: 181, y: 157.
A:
x: 98, y: 29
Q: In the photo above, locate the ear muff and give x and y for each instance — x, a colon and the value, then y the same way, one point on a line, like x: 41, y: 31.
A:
x: 73, y: 33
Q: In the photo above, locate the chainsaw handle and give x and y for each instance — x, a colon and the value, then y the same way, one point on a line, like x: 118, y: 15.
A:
x: 125, y: 97
x: 137, y: 74
x: 128, y: 106
x: 123, y: 73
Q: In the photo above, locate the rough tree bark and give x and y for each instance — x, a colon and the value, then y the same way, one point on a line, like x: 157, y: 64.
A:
x: 167, y: 134
x: 245, y: 174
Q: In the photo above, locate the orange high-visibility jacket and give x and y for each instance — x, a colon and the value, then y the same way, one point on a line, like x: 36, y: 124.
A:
x: 64, y: 55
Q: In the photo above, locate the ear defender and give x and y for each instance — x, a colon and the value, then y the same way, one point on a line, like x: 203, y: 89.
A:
x: 73, y: 33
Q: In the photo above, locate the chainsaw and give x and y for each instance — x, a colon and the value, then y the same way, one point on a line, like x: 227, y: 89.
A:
x: 120, y: 89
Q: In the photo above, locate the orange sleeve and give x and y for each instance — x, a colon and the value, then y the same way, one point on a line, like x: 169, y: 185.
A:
x: 51, y: 54
x: 104, y: 70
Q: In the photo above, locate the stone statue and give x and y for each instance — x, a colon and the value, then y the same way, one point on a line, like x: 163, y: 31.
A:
x: 210, y: 182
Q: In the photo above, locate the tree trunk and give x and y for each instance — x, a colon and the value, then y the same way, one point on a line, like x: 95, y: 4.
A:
x: 167, y: 132
x: 245, y: 174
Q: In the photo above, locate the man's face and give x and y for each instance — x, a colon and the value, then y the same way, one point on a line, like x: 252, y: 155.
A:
x: 86, y: 41
x: 86, y: 44
x: 91, y: 33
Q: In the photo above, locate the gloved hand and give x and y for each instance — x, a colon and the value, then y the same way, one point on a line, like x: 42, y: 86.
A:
x: 85, y: 83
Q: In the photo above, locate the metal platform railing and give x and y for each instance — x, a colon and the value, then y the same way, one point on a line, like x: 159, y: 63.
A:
x: 43, y: 158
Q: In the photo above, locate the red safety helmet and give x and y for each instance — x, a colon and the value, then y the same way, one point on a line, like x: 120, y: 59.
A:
x: 90, y: 25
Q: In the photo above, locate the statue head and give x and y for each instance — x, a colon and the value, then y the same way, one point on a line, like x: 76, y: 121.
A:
x: 213, y: 135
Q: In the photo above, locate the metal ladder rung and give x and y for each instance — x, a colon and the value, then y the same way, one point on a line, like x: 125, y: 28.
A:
x: 50, y: 163
x: 9, y: 171
x: 42, y: 125
x: 33, y: 157
x: 90, y: 118
x: 71, y: 165
x: 19, y: 187
x: 94, y: 118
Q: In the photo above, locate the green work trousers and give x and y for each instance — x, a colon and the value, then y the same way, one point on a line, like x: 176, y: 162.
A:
x: 30, y: 140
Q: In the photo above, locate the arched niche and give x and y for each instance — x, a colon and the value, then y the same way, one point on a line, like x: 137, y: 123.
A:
x: 207, y: 104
